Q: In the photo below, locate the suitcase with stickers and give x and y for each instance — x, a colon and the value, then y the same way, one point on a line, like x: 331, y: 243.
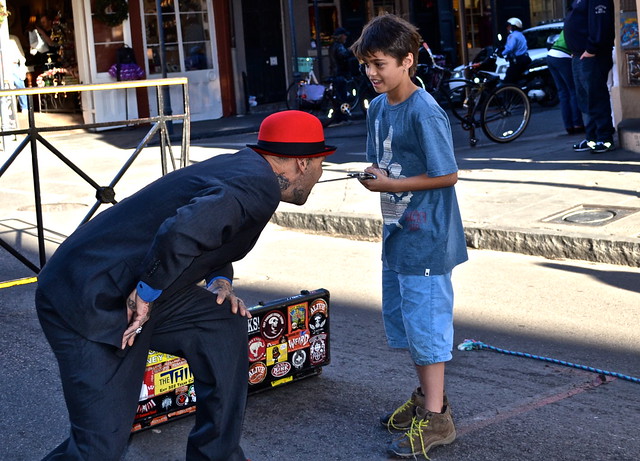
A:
x: 288, y: 340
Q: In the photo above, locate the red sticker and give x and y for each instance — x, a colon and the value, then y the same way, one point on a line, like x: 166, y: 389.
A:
x: 257, y: 373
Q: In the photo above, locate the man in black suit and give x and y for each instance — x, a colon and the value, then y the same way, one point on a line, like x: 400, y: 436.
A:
x: 130, y: 280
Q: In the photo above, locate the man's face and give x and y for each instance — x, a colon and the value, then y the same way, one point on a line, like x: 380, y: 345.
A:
x: 307, y: 178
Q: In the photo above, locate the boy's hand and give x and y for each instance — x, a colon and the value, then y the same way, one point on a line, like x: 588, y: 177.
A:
x: 380, y: 184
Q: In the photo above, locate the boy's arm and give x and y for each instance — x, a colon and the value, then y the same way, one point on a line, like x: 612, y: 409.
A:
x: 383, y: 183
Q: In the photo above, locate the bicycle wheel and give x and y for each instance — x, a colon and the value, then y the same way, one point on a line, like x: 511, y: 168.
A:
x: 352, y: 98
x: 293, y: 98
x: 461, y: 97
x: 506, y: 114
x: 367, y: 94
x: 297, y: 99
x: 326, y: 109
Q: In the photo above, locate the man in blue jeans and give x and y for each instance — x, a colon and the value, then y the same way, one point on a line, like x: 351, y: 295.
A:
x: 589, y: 32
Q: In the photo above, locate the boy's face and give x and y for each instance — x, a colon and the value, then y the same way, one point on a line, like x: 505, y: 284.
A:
x: 386, y: 74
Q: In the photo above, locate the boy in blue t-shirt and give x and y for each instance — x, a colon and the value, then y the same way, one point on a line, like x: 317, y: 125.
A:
x: 410, y: 146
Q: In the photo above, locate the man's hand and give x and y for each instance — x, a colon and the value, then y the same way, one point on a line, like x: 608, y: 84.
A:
x: 224, y: 290
x: 138, y: 312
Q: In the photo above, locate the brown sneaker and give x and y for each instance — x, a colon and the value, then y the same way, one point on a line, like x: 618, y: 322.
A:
x: 400, y: 419
x: 427, y: 430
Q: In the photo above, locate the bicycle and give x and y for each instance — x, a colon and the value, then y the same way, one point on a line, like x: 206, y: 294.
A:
x: 479, y: 100
x: 322, y: 100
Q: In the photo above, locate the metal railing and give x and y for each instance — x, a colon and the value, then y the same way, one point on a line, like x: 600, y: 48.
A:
x: 160, y: 124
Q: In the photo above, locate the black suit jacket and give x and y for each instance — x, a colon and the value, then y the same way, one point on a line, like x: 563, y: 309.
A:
x: 187, y: 226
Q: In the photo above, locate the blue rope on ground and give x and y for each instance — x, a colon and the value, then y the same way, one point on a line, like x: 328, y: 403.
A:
x: 472, y: 344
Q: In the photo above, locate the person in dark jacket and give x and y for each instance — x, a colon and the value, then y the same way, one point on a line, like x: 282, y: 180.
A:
x: 589, y: 30
x: 154, y: 272
x: 341, y: 59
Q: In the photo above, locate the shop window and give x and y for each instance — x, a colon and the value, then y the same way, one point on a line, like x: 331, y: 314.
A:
x: 383, y: 6
x: 107, y: 40
x: 186, y: 33
x: 327, y: 20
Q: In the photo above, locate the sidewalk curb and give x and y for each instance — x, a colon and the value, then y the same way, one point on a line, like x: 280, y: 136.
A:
x: 555, y: 245
x: 529, y: 242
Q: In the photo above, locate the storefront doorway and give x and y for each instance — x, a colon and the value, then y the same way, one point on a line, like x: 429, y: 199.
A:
x: 190, y: 51
x: 52, y: 61
x: 263, y: 37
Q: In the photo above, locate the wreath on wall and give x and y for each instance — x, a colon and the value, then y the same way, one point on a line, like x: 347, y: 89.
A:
x: 112, y: 12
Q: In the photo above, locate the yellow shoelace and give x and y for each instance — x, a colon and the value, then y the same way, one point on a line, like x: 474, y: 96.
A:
x: 417, y: 425
x: 402, y: 408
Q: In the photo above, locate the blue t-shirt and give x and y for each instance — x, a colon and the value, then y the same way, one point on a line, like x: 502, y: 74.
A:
x: 422, y: 230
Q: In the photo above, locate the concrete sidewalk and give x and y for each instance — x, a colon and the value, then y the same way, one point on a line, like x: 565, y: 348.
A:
x: 533, y: 196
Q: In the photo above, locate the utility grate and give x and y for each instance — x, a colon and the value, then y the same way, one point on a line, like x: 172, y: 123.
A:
x: 590, y: 215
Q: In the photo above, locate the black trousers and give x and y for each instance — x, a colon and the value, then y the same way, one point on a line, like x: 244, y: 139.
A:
x: 102, y: 384
x: 516, y: 68
x: 590, y: 76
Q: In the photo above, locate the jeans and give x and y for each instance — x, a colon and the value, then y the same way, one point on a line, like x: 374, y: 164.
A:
x: 19, y: 83
x: 418, y: 315
x: 590, y: 76
x: 562, y: 74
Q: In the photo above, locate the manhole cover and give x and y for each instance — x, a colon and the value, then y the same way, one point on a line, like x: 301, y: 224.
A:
x: 590, y: 215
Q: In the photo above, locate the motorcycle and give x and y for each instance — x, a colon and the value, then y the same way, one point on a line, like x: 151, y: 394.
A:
x: 537, y: 82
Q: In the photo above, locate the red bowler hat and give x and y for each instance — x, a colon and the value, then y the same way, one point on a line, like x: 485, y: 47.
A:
x: 292, y: 133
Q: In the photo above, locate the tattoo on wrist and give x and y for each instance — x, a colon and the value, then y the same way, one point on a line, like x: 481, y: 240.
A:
x: 131, y: 304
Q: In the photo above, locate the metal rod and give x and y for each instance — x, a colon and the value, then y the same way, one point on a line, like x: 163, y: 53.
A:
x: 96, y: 86
x: 38, y: 202
x: 336, y: 179
x: 163, y: 63
x: 186, y: 126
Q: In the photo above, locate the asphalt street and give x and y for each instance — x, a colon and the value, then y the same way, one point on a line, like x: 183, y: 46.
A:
x: 506, y: 407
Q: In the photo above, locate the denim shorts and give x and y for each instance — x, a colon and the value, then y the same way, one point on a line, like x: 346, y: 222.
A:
x: 418, y: 315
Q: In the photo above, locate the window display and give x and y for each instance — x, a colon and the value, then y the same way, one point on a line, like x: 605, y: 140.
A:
x: 185, y: 24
